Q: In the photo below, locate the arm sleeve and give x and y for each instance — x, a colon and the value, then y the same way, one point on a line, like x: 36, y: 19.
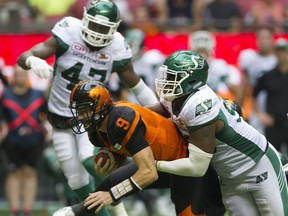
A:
x: 195, y: 165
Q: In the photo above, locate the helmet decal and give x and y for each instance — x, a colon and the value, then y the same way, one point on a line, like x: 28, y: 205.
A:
x: 198, y: 62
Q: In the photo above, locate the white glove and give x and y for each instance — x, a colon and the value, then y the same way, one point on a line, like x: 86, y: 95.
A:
x: 40, y: 67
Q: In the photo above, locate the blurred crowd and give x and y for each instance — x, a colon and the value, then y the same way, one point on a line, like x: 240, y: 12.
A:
x: 152, y: 16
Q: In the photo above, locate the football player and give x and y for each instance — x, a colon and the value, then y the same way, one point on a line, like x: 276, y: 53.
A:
x: 90, y: 48
x: 145, y: 62
x: 251, y: 175
x: 254, y: 63
x: 129, y: 129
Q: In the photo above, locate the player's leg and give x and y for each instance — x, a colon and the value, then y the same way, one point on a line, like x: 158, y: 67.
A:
x: 51, y: 166
x: 13, y: 178
x: 67, y: 154
x: 262, y: 190
x: 270, y: 183
x: 188, y: 195
x: 78, y: 178
x: 85, y: 154
x: 214, y: 205
x: 30, y: 176
x: 241, y: 202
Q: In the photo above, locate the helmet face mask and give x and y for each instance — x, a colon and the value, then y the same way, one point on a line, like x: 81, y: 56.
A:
x: 90, y: 102
x: 100, y: 22
x: 169, y: 85
x: 82, y: 117
x: 183, y: 73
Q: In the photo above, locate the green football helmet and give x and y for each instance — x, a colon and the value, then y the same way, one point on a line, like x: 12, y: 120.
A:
x: 183, y: 73
x: 100, y: 22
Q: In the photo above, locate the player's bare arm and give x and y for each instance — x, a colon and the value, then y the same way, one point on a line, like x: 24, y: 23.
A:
x: 128, y: 76
x: 42, y: 50
x: 158, y: 108
x: 144, y: 176
x: 204, y: 137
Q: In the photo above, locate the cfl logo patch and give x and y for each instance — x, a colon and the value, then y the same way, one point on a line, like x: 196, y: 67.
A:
x: 79, y: 48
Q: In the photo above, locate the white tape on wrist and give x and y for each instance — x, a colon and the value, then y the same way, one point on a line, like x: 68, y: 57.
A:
x: 121, y: 189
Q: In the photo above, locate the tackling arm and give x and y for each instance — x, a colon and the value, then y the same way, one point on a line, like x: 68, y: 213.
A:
x: 195, y: 165
x: 200, y: 154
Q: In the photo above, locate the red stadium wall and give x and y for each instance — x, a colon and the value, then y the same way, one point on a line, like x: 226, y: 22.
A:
x: 228, y: 45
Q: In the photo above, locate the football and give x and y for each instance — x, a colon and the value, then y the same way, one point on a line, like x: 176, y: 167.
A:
x: 106, y: 154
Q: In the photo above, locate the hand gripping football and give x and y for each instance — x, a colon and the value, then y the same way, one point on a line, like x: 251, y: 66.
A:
x: 106, y: 154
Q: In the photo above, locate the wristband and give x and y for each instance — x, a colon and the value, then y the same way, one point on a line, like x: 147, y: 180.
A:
x: 124, y: 188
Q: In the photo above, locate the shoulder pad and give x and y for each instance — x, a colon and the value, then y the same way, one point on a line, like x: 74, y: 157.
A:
x: 202, y: 107
x: 67, y: 29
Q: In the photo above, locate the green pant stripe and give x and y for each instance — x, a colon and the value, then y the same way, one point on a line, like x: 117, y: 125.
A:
x: 276, y: 163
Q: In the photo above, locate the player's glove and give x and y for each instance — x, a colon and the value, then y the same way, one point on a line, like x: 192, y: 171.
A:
x: 40, y: 67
